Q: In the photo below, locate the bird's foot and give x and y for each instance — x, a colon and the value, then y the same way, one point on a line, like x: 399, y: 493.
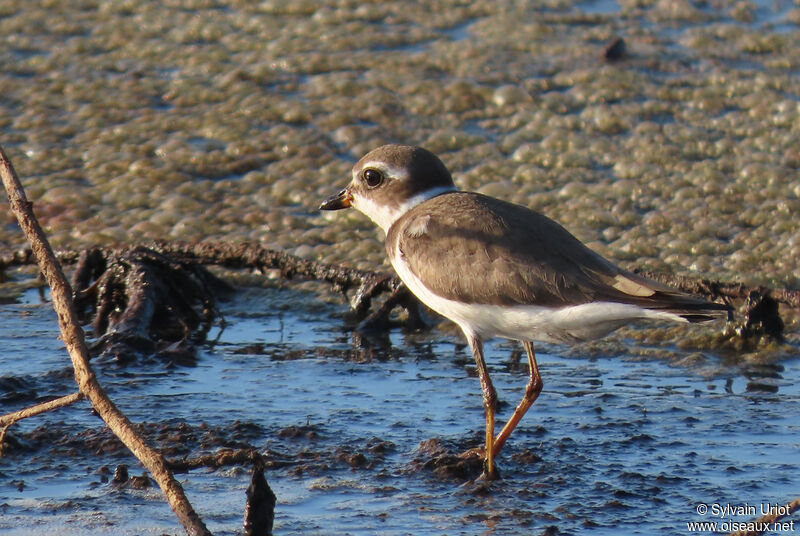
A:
x: 479, y: 452
x: 489, y: 475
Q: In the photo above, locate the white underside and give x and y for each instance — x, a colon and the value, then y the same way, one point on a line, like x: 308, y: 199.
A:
x: 530, y: 322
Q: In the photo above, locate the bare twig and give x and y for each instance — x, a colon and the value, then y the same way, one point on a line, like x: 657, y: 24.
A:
x: 10, y: 418
x: 238, y: 255
x: 74, y: 340
x: 220, y: 459
x: 254, y: 256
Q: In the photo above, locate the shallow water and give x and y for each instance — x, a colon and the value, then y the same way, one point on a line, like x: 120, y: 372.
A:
x: 620, y: 444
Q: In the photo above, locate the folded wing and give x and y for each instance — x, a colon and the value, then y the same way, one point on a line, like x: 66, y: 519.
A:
x: 499, y: 253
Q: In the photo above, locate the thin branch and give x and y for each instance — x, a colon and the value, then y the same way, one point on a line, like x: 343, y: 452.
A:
x: 221, y: 459
x: 74, y: 340
x: 250, y: 255
x: 10, y: 418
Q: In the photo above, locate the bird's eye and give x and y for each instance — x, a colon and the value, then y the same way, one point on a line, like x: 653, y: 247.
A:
x: 373, y: 177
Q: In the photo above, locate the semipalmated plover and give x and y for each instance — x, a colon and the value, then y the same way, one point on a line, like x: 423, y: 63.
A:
x: 498, y: 269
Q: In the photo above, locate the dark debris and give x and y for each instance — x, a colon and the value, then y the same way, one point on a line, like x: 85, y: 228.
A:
x: 615, y: 50
x: 259, y: 509
x: 145, y: 302
x: 437, y: 458
x: 761, y: 316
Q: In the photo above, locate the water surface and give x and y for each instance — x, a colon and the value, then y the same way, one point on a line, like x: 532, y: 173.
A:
x: 613, y: 444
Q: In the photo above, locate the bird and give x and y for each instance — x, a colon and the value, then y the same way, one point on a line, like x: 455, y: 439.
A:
x: 498, y: 269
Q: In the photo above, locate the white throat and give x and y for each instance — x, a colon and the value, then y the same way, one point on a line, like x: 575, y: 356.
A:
x: 384, y: 215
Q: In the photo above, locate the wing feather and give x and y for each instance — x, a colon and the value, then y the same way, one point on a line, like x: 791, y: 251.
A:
x: 477, y: 249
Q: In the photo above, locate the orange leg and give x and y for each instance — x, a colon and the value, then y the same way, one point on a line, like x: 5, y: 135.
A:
x: 532, y: 391
x: 489, y: 404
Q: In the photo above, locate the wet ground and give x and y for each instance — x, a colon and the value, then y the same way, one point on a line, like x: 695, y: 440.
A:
x: 625, y: 443
x: 232, y: 120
